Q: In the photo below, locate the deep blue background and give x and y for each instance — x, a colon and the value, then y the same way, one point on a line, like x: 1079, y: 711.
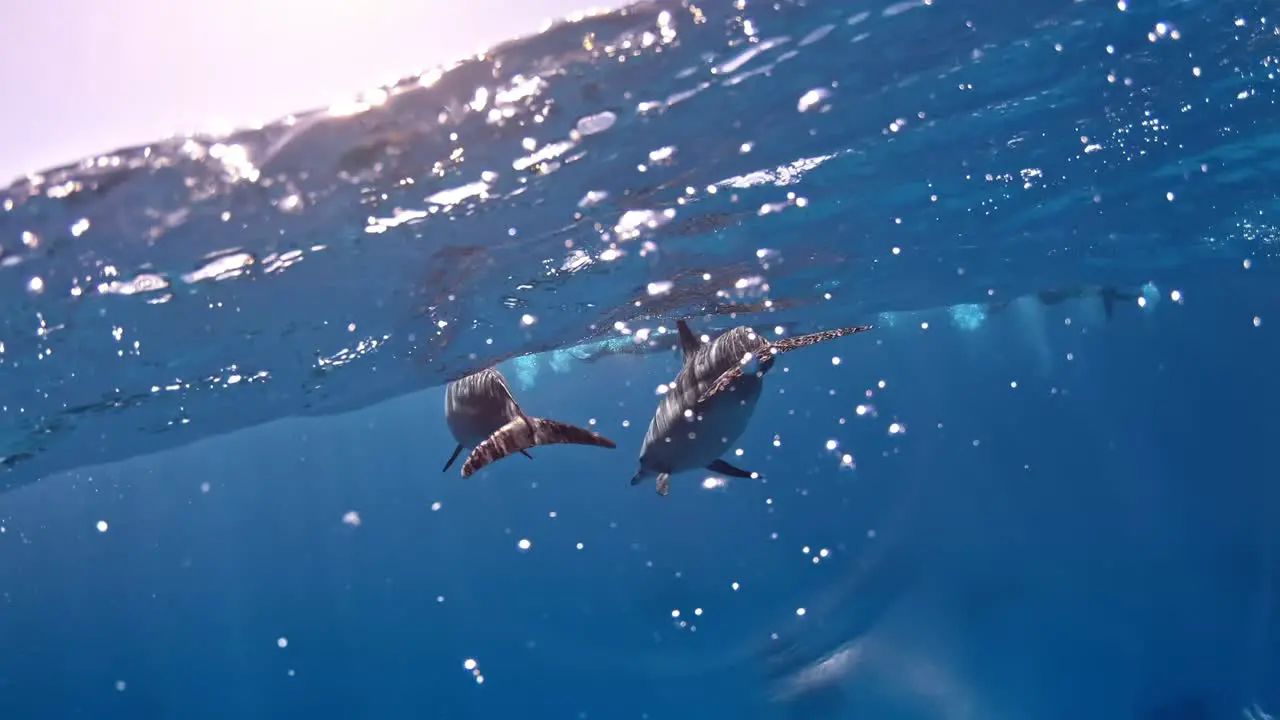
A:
x: 1096, y: 542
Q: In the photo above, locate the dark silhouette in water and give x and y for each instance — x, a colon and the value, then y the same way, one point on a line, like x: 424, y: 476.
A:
x: 1107, y: 293
x: 1185, y: 708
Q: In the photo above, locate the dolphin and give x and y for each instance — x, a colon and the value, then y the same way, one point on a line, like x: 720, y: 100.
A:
x: 1108, y: 294
x: 712, y: 399
x: 483, y: 414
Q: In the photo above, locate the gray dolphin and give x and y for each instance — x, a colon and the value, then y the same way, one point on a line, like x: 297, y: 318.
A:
x: 483, y: 414
x: 712, y: 399
x: 1109, y: 295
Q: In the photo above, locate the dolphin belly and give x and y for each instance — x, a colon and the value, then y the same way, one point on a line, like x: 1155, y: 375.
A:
x: 690, y: 443
x: 476, y: 406
x: 470, y: 427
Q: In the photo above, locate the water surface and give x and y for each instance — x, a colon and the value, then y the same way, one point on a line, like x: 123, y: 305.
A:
x: 215, y: 349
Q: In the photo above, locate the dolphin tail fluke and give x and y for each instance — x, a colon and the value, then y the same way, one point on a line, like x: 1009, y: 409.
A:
x: 763, y: 358
x: 526, y: 432
x: 723, y: 468
x: 456, y: 452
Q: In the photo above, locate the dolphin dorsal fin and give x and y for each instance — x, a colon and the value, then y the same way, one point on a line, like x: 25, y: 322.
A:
x: 689, y: 343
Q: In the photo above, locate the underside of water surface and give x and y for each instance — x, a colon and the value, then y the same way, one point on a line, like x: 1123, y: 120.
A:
x: 1059, y: 217
x: 814, y: 162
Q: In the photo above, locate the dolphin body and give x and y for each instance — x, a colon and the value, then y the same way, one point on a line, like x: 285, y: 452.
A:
x: 711, y: 401
x: 1109, y: 296
x: 483, y: 414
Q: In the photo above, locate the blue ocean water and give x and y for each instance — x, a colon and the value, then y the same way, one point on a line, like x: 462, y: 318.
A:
x: 1041, y: 487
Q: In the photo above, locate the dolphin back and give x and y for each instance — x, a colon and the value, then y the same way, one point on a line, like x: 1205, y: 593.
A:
x: 484, y: 394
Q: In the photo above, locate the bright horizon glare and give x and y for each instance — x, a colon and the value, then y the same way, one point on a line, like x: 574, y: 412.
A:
x: 91, y: 77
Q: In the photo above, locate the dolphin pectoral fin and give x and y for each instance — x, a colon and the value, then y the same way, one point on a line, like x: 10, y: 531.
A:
x: 637, y: 479
x: 525, y: 432
x: 456, y: 451
x: 526, y: 454
x: 664, y: 484
x: 723, y: 468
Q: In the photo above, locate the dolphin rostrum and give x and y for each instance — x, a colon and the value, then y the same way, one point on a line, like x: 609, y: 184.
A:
x: 483, y: 414
x: 711, y: 401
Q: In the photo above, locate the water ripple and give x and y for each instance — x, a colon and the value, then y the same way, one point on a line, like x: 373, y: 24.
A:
x: 531, y: 196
